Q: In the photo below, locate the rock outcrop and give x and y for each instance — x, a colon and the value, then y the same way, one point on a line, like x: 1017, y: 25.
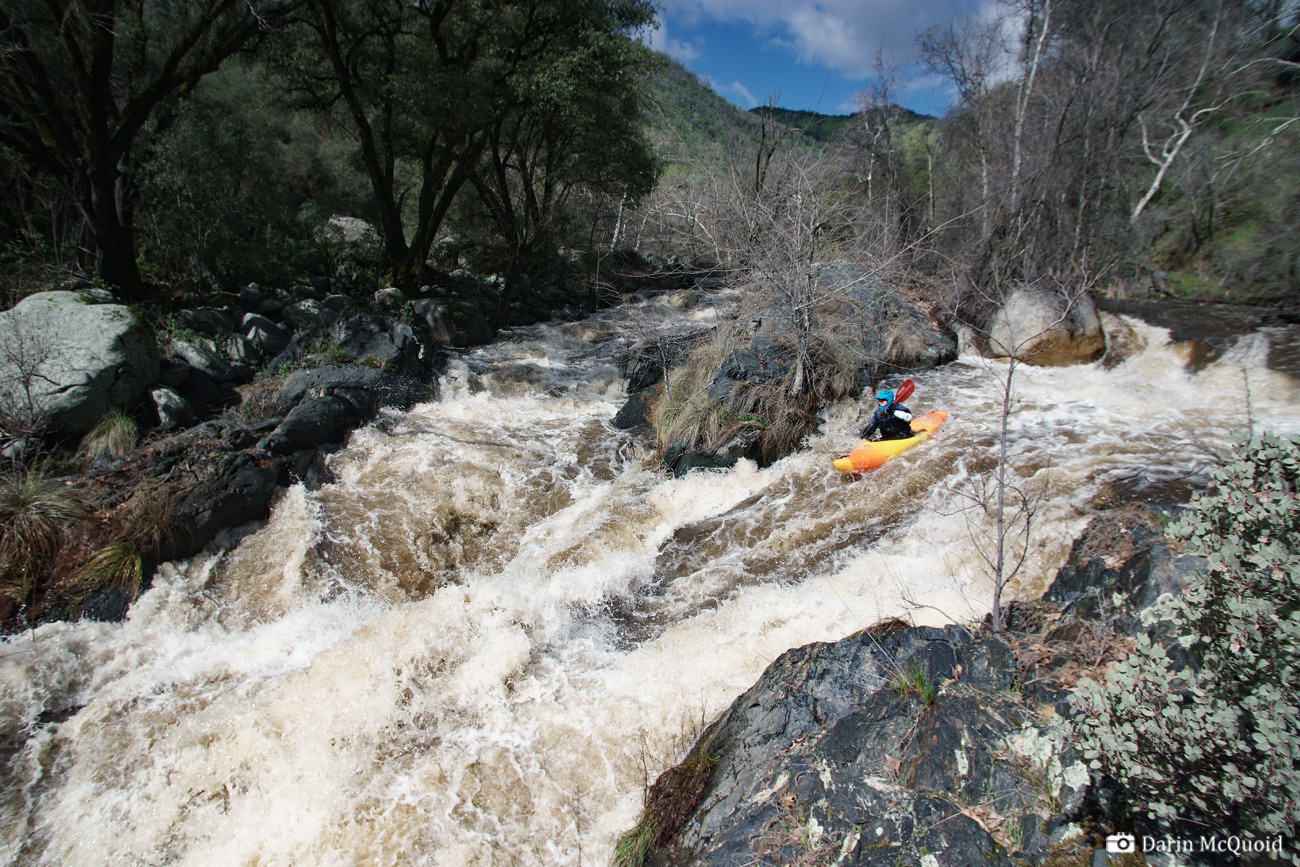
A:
x: 855, y: 328
x: 66, y: 361
x: 920, y: 746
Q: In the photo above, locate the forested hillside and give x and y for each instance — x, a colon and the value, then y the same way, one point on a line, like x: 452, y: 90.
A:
x: 1096, y: 140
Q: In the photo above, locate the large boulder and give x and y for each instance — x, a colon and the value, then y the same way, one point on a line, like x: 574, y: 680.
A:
x: 836, y: 755
x: 455, y: 321
x: 1043, y: 327
x: 69, y: 362
x: 385, y: 341
x: 354, y: 238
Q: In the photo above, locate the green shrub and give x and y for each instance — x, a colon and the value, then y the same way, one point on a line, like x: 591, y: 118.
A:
x: 1216, y: 742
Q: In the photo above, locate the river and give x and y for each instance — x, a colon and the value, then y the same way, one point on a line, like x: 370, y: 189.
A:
x: 479, y: 644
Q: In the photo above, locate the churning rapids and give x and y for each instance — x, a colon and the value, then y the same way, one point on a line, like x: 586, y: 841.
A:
x: 480, y: 641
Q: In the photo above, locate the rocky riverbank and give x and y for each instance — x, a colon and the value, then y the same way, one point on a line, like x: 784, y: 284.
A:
x: 921, y: 746
x: 231, y: 401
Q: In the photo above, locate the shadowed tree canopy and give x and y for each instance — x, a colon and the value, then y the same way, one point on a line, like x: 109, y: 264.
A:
x: 425, y: 88
x: 575, y: 126
x: 82, y: 80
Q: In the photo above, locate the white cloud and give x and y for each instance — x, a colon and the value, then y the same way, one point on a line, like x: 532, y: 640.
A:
x: 658, y: 39
x: 843, y: 35
x: 747, y: 99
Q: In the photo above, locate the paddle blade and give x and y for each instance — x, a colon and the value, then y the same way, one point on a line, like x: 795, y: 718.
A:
x: 905, y: 390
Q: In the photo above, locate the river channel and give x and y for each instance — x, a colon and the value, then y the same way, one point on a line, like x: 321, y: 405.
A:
x: 478, y: 644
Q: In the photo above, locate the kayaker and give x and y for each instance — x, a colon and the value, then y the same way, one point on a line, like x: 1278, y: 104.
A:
x: 893, y: 420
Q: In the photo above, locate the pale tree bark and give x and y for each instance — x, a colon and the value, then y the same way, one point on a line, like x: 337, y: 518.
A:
x: 1037, y: 30
x: 1184, y: 126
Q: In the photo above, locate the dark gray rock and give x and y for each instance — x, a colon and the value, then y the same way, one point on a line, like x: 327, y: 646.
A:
x: 340, y: 304
x: 201, y: 390
x: 635, y: 413
x: 243, y: 351
x: 314, y: 422
x: 306, y: 315
x: 457, y: 322
x: 232, y: 491
x: 825, y: 758
x: 203, y: 358
x: 385, y: 341
x: 173, y: 410
x: 388, y: 300
x: 209, y: 321
x: 1089, y: 589
x: 251, y: 297
x: 358, y: 384
x: 263, y: 333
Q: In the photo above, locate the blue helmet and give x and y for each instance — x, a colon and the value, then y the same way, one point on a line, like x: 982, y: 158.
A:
x: 885, y: 394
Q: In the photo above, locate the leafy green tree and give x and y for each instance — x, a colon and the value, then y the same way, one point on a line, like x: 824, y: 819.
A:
x: 82, y: 80
x: 575, y: 126
x: 236, y: 210
x: 1217, y: 743
x: 423, y: 86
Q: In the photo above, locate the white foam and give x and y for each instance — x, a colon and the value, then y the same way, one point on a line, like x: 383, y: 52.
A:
x: 476, y: 645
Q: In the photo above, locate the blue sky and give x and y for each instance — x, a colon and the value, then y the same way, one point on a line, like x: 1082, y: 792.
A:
x: 809, y: 54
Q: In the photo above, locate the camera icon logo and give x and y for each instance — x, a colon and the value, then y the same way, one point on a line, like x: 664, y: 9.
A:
x: 1121, y: 844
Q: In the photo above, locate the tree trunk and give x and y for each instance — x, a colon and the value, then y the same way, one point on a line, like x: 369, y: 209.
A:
x: 109, y: 214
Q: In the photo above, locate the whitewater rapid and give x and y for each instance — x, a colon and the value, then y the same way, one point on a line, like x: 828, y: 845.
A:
x: 481, y: 642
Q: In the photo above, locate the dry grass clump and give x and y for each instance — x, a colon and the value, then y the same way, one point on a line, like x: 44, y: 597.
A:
x: 685, y: 410
x: 669, y: 803
x: 112, y: 438
x: 778, y: 416
x: 37, y: 511
x: 120, y: 564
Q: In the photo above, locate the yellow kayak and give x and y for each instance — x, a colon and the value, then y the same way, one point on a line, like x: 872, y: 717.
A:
x: 871, y: 454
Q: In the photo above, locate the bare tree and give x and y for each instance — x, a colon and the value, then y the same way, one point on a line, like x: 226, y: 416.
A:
x: 1009, y: 505
x: 26, y: 356
x: 968, y: 54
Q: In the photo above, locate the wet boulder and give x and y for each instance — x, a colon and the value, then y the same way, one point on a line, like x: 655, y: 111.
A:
x: 383, y: 341
x: 65, y: 362
x: 359, y: 385
x: 1041, y: 326
x: 455, y: 321
x: 233, y: 489
x: 316, y: 422
x: 839, y: 755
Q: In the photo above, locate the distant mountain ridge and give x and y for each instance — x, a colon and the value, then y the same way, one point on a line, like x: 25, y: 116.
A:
x: 686, y: 117
x: 688, y: 120
x: 824, y: 127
